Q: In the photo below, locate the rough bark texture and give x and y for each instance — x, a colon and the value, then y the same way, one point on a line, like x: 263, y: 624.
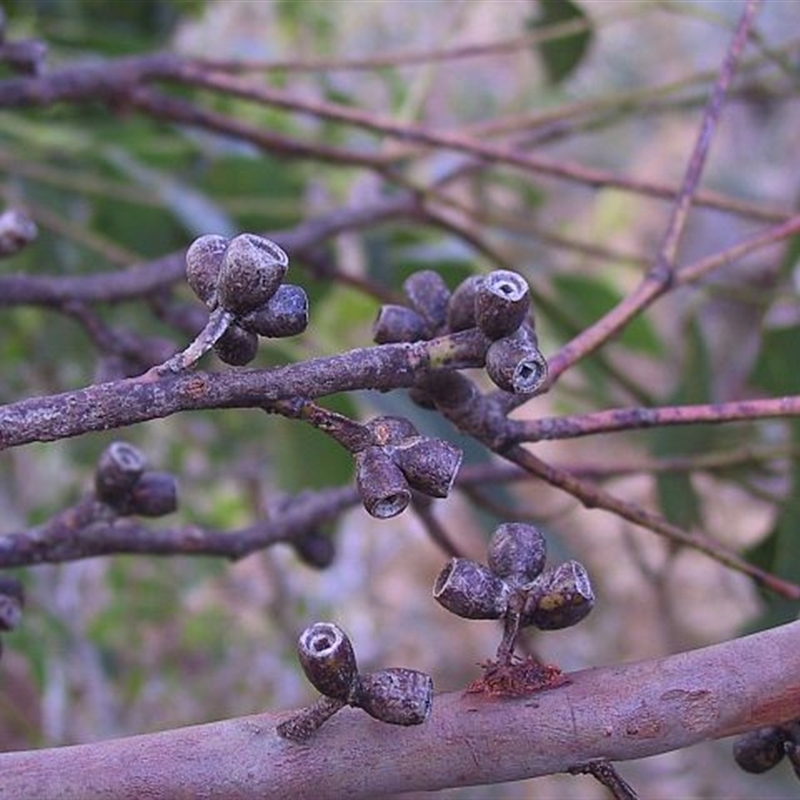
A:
x: 617, y: 713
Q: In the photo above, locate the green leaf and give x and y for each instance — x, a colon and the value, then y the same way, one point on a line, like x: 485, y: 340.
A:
x: 561, y: 56
x: 775, y: 369
x: 586, y: 298
x: 677, y: 497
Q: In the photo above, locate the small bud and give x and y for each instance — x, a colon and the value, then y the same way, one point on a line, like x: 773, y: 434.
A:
x: 118, y: 469
x: 759, y: 750
x: 284, y: 314
x: 12, y: 601
x: 328, y: 659
x: 471, y: 590
x: 383, y: 487
x: 315, y: 549
x: 236, y: 346
x: 395, y: 695
x: 430, y: 465
x: 560, y: 597
x: 461, y: 308
x: 429, y: 296
x: 502, y: 303
x: 155, y: 494
x: 515, y: 363
x: 517, y: 552
x: 399, y: 324
x: 390, y: 430
x: 252, y: 269
x: 203, y: 264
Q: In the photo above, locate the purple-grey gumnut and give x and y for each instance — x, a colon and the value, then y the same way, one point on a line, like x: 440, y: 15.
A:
x: 502, y: 303
x: 395, y: 695
x: 236, y: 346
x: 515, y: 364
x: 12, y: 600
x: 461, y: 308
x: 761, y: 749
x: 390, y: 430
x: 315, y: 549
x: 471, y: 590
x: 252, y: 270
x: 399, y: 324
x: 517, y: 552
x: 430, y: 465
x: 429, y: 296
x: 383, y: 487
x: 284, y: 314
x: 118, y: 469
x: 155, y: 494
x: 328, y: 659
x: 560, y: 597
x: 203, y: 264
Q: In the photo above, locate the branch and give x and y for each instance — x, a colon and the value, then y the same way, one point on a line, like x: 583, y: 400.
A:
x: 126, y: 402
x: 145, y: 279
x: 89, y: 529
x: 617, y: 713
x: 661, y: 276
x: 627, y: 419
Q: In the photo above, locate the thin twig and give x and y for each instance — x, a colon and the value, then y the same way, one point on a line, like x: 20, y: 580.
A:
x: 605, y: 773
x: 628, y: 419
x: 661, y: 276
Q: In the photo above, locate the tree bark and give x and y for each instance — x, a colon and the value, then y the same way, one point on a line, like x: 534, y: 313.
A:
x: 617, y: 713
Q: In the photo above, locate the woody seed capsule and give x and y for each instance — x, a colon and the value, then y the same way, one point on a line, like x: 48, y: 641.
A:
x: 429, y: 465
x: 383, y: 487
x: 471, y: 590
x: 560, y: 597
x: 760, y: 750
x: 203, y: 263
x: 515, y: 363
x: 502, y: 303
x: 395, y: 695
x: 461, y: 307
x: 517, y: 552
x: 252, y: 269
x: 236, y: 346
x: 399, y: 324
x: 328, y: 659
x: 428, y: 294
x: 284, y: 314
x: 118, y: 468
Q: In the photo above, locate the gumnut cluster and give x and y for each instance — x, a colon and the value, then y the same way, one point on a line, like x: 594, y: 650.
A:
x: 398, y: 459
x: 762, y: 749
x: 243, y: 277
x: 395, y: 695
x: 515, y: 586
x: 498, y: 304
x: 123, y: 482
x: 12, y: 601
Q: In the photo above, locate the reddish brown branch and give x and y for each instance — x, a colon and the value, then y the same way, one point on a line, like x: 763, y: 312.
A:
x: 660, y: 278
x: 617, y: 713
x: 626, y: 419
x: 592, y: 496
x: 116, y: 82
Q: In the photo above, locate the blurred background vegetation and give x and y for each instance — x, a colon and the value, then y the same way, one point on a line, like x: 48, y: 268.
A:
x: 133, y: 644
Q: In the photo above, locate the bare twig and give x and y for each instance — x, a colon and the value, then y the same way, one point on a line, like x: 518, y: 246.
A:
x: 627, y: 419
x: 661, y: 276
